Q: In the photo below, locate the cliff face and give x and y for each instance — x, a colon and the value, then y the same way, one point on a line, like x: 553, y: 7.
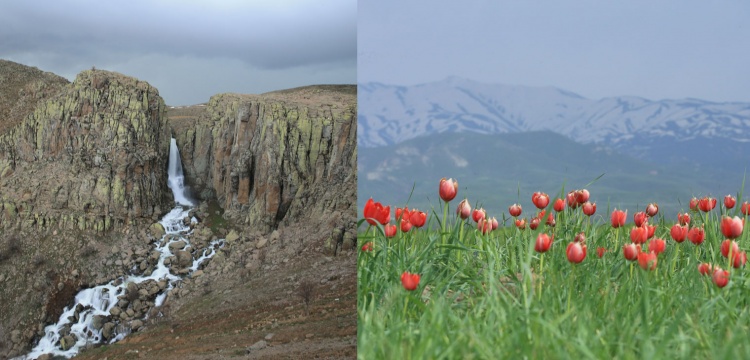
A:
x: 275, y: 158
x: 21, y: 89
x: 92, y: 156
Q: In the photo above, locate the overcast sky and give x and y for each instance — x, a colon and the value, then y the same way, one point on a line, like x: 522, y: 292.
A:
x: 190, y: 49
x: 652, y: 49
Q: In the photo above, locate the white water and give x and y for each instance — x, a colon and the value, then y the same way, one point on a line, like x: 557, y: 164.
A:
x: 176, y: 179
x: 101, y: 299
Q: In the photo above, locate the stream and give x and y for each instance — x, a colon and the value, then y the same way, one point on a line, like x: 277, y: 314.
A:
x: 81, y: 323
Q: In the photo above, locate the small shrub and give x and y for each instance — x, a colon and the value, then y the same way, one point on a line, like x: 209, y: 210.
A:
x: 306, y: 291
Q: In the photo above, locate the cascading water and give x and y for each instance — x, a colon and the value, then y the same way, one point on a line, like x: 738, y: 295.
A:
x: 76, y: 324
x: 176, y: 178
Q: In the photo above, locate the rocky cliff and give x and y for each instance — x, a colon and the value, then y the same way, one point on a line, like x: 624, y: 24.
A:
x: 91, y: 156
x: 275, y: 158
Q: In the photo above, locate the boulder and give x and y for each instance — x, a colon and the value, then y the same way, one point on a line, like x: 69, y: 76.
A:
x: 157, y: 230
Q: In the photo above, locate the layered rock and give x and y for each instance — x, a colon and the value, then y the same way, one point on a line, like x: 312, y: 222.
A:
x: 91, y: 156
x: 275, y: 158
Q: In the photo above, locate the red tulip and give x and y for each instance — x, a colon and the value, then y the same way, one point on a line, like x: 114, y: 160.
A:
x: 732, y: 227
x: 705, y: 268
x: 729, y: 201
x: 631, y: 251
x: 402, y: 213
x: 652, y: 209
x: 390, y: 230
x: 600, y: 251
x: 464, y: 209
x: 559, y: 205
x: 448, y: 189
x: 534, y: 223
x: 720, y: 277
x: 514, y: 210
x: 639, y: 235
x: 571, y: 200
x: 589, y: 208
x: 618, y: 218
x: 745, y: 208
x: 494, y: 223
x: 367, y: 247
x: 551, y: 220
x: 582, y: 196
x: 657, y: 246
x: 478, y: 214
x: 521, y: 223
x: 375, y: 213
x: 679, y: 232
x: 707, y: 204
x: 580, y: 238
x: 696, y: 235
x: 540, y: 200
x: 410, y: 281
x: 405, y: 225
x: 576, y: 252
x: 683, y: 218
x: 647, y: 260
x: 543, y: 242
x: 694, y: 204
x: 640, y: 218
x: 485, y: 226
x: 417, y: 218
x: 651, y: 230
x: 540, y: 214
x: 728, y: 245
x: 739, y: 259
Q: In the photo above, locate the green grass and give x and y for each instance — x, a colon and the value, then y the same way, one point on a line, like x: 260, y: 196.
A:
x: 493, y: 297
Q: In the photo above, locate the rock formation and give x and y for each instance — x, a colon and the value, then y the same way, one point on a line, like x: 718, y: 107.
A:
x: 89, y: 157
x: 275, y: 158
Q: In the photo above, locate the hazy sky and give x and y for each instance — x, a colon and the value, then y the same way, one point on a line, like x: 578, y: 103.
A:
x: 652, y: 49
x: 190, y: 49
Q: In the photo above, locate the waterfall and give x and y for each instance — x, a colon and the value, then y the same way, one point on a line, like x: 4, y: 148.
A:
x: 98, y: 302
x: 176, y: 177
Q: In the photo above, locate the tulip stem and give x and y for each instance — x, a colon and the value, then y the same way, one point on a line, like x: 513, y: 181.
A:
x: 570, y: 285
x: 541, y: 275
x: 445, y: 218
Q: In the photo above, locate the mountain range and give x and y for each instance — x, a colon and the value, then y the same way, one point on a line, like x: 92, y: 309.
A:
x: 648, y: 149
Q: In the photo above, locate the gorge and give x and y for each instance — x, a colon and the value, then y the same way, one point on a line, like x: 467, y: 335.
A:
x: 84, y: 177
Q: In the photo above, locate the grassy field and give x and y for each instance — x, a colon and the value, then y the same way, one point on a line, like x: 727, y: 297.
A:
x: 492, y: 296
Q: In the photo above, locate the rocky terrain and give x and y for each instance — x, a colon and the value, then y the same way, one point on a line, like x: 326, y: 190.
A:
x: 83, y: 176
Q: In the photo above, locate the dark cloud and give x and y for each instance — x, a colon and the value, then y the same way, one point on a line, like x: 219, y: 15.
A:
x: 243, y: 36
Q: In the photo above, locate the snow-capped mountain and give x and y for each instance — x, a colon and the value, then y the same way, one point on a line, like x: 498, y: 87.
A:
x: 392, y: 114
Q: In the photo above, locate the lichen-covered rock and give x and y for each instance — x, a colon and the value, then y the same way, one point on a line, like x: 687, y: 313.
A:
x: 88, y: 158
x: 275, y: 158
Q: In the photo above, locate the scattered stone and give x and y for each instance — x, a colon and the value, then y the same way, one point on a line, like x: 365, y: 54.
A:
x: 261, y: 243
x: 197, y: 273
x: 97, y: 322
x: 177, y: 245
x: 260, y: 345
x: 115, y: 311
x: 108, y: 330
x: 15, y: 336
x: 269, y: 336
x: 309, y: 336
x: 157, y: 230
x: 232, y: 236
x: 136, y: 324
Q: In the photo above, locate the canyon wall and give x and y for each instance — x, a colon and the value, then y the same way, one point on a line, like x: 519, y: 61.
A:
x: 90, y: 157
x: 275, y: 158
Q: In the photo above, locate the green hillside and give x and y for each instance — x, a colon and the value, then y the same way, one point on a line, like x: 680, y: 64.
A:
x: 493, y: 169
